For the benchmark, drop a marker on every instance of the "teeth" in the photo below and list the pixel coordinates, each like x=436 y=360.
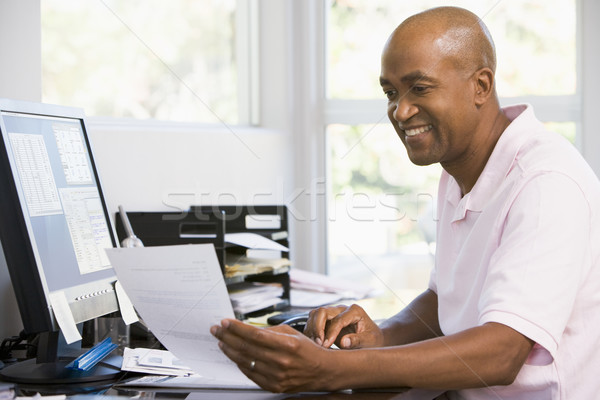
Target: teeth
x=416 y=131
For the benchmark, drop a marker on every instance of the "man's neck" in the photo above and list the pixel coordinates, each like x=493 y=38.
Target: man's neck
x=467 y=173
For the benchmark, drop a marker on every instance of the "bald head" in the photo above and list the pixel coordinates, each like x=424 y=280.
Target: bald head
x=455 y=33
x=437 y=72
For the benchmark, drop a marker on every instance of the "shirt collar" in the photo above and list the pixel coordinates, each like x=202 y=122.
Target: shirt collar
x=498 y=165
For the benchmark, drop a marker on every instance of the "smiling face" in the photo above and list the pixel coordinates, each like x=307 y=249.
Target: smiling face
x=432 y=86
x=428 y=105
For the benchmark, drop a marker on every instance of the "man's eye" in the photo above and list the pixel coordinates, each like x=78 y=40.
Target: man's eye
x=419 y=89
x=389 y=93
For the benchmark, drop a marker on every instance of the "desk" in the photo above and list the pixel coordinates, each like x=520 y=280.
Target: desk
x=112 y=390
x=108 y=391
x=381 y=307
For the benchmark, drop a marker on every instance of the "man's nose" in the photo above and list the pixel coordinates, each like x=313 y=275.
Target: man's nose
x=404 y=110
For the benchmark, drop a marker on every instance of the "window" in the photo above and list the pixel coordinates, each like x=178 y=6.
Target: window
x=174 y=60
x=380 y=213
x=380 y=221
x=535 y=44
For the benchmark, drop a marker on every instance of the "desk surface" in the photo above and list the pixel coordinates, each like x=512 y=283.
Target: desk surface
x=110 y=391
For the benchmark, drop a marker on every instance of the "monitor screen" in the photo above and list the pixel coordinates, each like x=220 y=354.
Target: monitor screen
x=54 y=224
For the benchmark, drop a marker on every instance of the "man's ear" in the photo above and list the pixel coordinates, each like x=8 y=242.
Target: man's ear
x=484 y=85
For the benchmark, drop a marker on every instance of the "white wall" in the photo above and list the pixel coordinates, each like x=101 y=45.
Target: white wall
x=20 y=78
x=20 y=47
x=590 y=81
x=169 y=170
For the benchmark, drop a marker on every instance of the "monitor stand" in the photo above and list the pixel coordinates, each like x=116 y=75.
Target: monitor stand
x=30 y=371
x=49 y=367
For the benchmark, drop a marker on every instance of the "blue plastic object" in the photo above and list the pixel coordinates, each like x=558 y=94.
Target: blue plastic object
x=90 y=358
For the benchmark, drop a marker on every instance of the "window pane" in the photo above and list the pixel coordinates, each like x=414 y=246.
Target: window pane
x=535 y=43
x=170 y=60
x=380 y=219
x=567 y=129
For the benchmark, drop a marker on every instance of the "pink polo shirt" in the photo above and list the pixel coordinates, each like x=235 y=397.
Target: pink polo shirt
x=523 y=249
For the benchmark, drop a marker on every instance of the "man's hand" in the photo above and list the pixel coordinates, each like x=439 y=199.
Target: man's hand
x=347 y=327
x=278 y=359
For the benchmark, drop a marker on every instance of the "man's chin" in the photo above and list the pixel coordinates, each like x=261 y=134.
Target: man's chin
x=421 y=161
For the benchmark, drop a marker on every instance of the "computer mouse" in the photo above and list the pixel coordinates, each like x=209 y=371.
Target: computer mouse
x=297 y=322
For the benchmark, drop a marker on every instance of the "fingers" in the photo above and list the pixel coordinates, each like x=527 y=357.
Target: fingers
x=347 y=327
x=349 y=341
x=326 y=325
x=237 y=332
x=252 y=349
x=253 y=341
x=256 y=364
x=318 y=323
x=341 y=325
x=269 y=357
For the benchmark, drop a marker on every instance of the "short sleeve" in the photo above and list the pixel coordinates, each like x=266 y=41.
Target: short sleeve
x=536 y=271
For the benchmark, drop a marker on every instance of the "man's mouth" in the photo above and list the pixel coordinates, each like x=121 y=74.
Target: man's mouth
x=417 y=131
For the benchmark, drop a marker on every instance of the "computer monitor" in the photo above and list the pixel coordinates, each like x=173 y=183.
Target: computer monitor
x=54 y=226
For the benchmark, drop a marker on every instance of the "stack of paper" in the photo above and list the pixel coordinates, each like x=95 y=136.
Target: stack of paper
x=236 y=265
x=305 y=280
x=311 y=299
x=247 y=297
x=254 y=241
x=261 y=255
x=152 y=361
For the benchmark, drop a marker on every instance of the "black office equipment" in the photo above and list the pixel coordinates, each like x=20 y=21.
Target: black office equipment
x=164 y=229
x=210 y=224
x=288 y=316
x=54 y=226
x=298 y=322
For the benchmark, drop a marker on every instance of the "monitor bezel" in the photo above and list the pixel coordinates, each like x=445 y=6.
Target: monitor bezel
x=27 y=276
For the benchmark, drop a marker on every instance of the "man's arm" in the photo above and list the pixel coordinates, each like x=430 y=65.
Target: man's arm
x=283 y=360
x=351 y=328
x=418 y=321
x=484 y=356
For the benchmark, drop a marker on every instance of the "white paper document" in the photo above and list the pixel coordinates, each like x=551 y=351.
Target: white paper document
x=309 y=298
x=253 y=241
x=64 y=316
x=127 y=311
x=153 y=361
x=180 y=293
x=307 y=280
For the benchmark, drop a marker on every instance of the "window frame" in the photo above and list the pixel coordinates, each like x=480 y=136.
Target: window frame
x=247 y=51
x=578 y=108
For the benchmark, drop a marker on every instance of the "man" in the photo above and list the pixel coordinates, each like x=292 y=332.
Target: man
x=513 y=306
